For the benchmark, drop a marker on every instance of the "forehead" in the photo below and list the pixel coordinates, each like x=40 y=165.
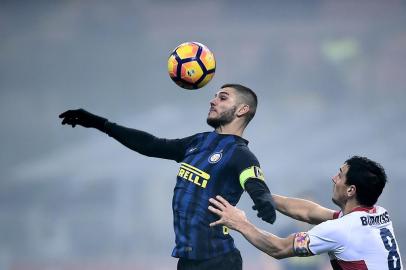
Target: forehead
x=344 y=168
x=227 y=91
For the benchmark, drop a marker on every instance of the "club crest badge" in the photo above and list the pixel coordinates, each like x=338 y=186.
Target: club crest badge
x=215 y=157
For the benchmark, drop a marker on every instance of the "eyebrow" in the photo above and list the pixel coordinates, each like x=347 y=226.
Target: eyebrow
x=221 y=93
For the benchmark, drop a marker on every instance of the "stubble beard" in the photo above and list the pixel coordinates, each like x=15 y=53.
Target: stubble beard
x=225 y=118
x=335 y=202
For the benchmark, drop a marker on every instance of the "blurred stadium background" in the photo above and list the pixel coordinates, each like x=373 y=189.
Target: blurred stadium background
x=331 y=81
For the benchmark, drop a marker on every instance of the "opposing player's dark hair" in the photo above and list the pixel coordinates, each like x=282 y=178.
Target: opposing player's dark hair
x=248 y=96
x=368 y=177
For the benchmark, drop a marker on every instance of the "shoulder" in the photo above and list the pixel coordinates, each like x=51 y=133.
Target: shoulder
x=243 y=158
x=335 y=228
x=242 y=150
x=380 y=209
x=247 y=165
x=195 y=137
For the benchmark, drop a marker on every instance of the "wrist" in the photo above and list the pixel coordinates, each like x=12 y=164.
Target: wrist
x=244 y=226
x=100 y=123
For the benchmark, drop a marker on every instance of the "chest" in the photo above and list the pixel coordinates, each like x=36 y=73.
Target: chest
x=204 y=164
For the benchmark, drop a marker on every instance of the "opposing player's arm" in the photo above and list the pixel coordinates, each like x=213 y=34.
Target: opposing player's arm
x=279 y=248
x=303 y=210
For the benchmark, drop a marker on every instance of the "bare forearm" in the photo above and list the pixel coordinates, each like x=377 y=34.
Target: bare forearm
x=272 y=245
x=303 y=210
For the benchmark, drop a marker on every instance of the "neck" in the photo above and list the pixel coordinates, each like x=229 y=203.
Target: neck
x=350 y=206
x=231 y=128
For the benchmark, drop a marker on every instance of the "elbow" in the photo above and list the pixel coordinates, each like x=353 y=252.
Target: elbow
x=281 y=249
x=278 y=252
x=278 y=255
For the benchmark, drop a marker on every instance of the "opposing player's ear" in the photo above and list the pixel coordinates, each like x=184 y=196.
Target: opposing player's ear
x=351 y=190
x=243 y=109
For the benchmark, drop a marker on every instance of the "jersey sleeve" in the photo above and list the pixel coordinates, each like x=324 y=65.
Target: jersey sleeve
x=147 y=144
x=328 y=236
x=248 y=167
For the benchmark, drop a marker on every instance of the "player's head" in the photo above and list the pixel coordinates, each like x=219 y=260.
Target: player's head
x=231 y=102
x=360 y=178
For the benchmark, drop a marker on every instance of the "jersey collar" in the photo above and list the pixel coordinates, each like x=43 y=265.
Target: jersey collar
x=370 y=210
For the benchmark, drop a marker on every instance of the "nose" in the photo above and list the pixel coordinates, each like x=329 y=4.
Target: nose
x=334 y=179
x=213 y=102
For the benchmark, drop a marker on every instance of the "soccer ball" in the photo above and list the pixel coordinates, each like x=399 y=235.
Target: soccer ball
x=191 y=65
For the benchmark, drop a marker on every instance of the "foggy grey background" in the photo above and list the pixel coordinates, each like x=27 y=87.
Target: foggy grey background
x=331 y=81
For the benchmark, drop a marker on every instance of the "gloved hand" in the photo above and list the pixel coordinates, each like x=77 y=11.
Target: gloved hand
x=266 y=211
x=83 y=118
x=260 y=194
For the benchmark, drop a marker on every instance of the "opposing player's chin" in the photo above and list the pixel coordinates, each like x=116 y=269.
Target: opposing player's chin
x=336 y=202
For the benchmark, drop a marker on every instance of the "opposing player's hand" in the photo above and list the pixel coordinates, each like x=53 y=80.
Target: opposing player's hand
x=266 y=211
x=82 y=118
x=230 y=216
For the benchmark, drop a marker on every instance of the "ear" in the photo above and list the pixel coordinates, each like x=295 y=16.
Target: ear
x=243 y=109
x=351 y=191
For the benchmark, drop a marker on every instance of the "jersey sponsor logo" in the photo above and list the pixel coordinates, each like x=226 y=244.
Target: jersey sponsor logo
x=301 y=243
x=193 y=174
x=192 y=149
x=215 y=157
x=375 y=220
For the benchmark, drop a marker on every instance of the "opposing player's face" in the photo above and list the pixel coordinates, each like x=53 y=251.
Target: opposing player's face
x=340 y=187
x=223 y=108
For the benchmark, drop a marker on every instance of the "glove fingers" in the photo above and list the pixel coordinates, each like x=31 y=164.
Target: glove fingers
x=270 y=219
x=64 y=114
x=69 y=121
x=69 y=113
x=66 y=121
x=266 y=212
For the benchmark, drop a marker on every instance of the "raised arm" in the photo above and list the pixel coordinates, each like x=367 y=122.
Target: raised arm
x=147 y=144
x=137 y=140
x=303 y=210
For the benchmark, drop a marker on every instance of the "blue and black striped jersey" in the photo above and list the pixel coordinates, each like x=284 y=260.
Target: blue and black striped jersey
x=213 y=164
x=210 y=164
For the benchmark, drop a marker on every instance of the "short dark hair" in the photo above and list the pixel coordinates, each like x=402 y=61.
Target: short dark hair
x=368 y=177
x=247 y=96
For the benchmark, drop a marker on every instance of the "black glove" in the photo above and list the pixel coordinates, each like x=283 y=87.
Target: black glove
x=264 y=204
x=266 y=212
x=83 y=118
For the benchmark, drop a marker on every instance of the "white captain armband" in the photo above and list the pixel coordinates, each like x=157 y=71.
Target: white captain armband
x=301 y=241
x=251 y=172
